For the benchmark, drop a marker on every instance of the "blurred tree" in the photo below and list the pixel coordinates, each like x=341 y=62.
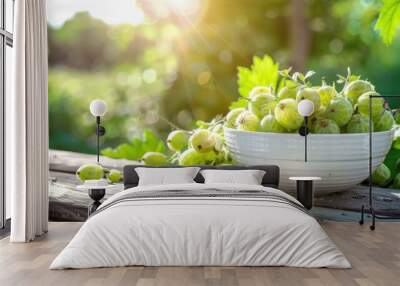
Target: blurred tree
x=130 y=70
x=299 y=34
x=81 y=43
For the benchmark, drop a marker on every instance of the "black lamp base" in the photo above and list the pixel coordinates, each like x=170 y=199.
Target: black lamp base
x=376 y=214
x=303 y=131
x=372 y=211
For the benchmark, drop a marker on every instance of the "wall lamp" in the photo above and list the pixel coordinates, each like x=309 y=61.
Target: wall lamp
x=98 y=108
x=305 y=108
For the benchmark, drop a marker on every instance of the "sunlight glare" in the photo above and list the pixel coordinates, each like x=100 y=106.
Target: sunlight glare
x=186 y=7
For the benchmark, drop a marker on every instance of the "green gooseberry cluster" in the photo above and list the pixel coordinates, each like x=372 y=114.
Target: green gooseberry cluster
x=274 y=110
x=202 y=146
x=97 y=172
x=335 y=112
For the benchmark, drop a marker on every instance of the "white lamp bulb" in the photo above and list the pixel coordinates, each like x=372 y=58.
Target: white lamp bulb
x=98 y=107
x=305 y=107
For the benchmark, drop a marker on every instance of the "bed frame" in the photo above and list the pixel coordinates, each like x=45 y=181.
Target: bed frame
x=271 y=177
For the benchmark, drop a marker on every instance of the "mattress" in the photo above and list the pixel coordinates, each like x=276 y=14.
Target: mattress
x=201 y=225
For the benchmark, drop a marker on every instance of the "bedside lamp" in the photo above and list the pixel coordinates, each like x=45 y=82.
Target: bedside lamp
x=305 y=108
x=98 y=108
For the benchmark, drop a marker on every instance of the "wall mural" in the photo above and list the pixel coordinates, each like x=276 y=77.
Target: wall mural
x=175 y=73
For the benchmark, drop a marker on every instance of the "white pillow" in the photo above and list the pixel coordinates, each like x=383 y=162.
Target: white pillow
x=248 y=177
x=166 y=176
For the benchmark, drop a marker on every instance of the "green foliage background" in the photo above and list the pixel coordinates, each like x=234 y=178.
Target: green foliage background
x=166 y=73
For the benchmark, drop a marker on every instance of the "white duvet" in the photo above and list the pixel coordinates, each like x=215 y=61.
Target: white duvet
x=200 y=231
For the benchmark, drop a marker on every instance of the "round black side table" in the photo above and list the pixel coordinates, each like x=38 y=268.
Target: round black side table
x=305 y=191
x=96 y=193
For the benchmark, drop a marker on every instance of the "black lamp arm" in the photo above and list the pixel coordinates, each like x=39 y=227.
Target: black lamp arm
x=303 y=131
x=100 y=131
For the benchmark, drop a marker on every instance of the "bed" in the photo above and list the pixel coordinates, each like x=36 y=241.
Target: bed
x=197 y=224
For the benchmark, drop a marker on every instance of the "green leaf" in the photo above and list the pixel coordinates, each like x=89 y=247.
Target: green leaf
x=396 y=143
x=299 y=75
x=202 y=124
x=285 y=72
x=263 y=72
x=388 y=20
x=241 y=102
x=291 y=83
x=309 y=74
x=152 y=143
x=354 y=77
x=134 y=150
x=111 y=153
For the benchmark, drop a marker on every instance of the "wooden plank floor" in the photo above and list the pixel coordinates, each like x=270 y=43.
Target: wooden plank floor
x=375 y=257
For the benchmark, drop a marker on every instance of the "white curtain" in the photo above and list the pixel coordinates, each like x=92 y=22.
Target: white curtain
x=27 y=124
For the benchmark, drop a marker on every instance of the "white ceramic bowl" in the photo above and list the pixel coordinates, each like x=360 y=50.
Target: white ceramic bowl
x=341 y=160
